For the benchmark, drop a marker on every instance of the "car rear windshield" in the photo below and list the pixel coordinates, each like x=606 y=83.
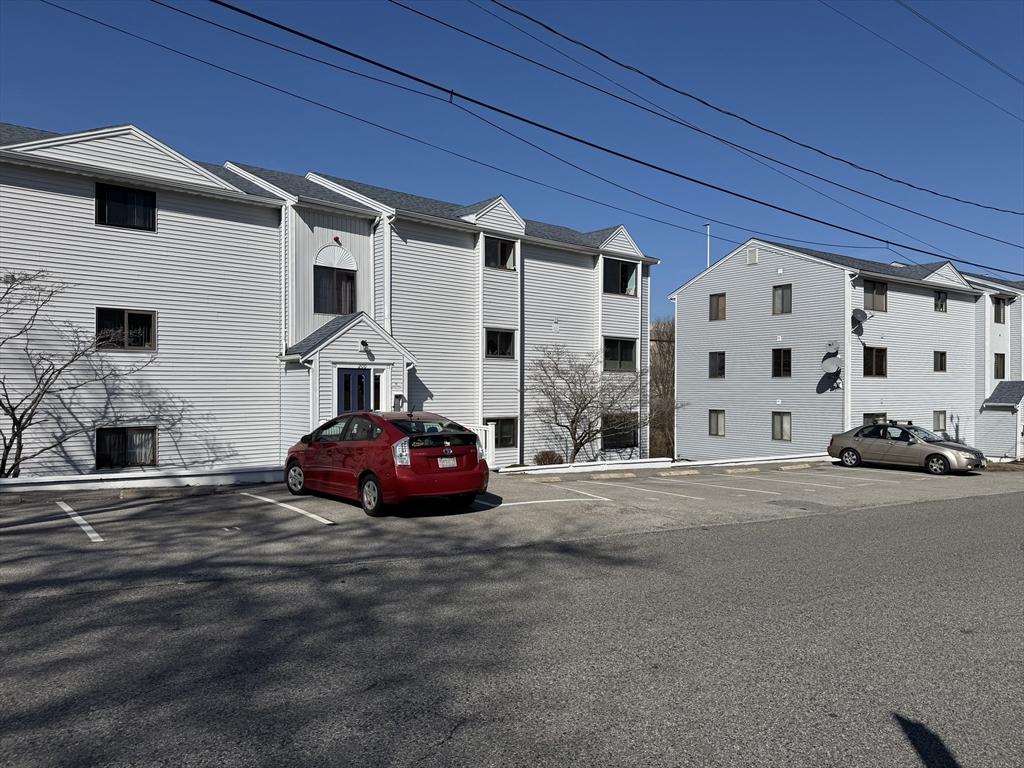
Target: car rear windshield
x=428 y=426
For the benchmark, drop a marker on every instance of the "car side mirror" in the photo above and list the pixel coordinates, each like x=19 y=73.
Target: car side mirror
x=307 y=439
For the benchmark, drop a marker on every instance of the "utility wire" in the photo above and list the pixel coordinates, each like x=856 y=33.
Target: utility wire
x=426 y=143
x=960 y=42
x=453 y=94
x=500 y=128
x=765 y=128
x=937 y=71
x=673 y=119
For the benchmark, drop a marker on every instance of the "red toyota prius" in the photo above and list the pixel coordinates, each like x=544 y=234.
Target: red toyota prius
x=386 y=458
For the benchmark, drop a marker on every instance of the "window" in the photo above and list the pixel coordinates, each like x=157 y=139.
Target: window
x=504 y=432
x=939 y=421
x=619 y=430
x=361 y=428
x=782 y=425
x=125 y=329
x=939 y=362
x=782 y=363
x=876 y=295
x=118 y=447
x=334 y=291
x=875 y=361
x=874 y=418
x=716 y=423
x=124 y=207
x=716 y=365
x=940 y=301
x=500 y=343
x=717 y=309
x=620 y=277
x=999 y=309
x=620 y=354
x=499 y=254
x=332 y=431
x=999 y=367
x=782 y=299
x=874 y=432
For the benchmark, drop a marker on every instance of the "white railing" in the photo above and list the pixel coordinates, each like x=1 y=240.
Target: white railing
x=486 y=434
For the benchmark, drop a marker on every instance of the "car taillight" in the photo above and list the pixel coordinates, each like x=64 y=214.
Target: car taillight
x=400 y=451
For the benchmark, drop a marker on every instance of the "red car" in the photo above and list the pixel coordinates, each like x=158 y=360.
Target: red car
x=386 y=458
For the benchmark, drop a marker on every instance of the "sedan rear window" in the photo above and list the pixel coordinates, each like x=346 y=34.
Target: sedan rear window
x=427 y=426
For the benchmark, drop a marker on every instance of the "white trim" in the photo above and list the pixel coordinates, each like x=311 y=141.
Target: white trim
x=343 y=190
x=120 y=130
x=848 y=374
x=499 y=200
x=164 y=478
x=622 y=229
x=259 y=181
x=389 y=222
x=386 y=337
x=480 y=330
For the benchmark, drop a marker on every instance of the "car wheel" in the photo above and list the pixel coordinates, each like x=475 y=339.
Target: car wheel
x=850 y=458
x=371 y=496
x=464 y=500
x=295 y=479
x=937 y=465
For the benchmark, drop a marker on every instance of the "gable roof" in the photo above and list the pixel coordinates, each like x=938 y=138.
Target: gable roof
x=334 y=328
x=303 y=188
x=19 y=134
x=1006 y=393
x=239 y=182
x=1017 y=285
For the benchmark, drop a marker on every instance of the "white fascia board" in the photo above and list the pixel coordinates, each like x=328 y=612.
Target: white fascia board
x=622 y=229
x=951 y=265
x=119 y=130
x=500 y=200
x=343 y=190
x=259 y=181
x=386 y=337
x=226 y=192
x=993 y=284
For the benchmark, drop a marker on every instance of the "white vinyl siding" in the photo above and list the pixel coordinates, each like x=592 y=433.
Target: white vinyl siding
x=749 y=394
x=211 y=273
x=378 y=271
x=501 y=219
x=645 y=358
x=295 y=392
x=620 y=243
x=620 y=315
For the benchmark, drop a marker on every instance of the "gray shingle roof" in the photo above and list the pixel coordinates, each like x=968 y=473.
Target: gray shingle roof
x=1006 y=393
x=1017 y=285
x=910 y=271
x=320 y=335
x=235 y=180
x=19 y=134
x=300 y=186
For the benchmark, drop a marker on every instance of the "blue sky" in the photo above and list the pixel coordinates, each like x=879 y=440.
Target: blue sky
x=797 y=67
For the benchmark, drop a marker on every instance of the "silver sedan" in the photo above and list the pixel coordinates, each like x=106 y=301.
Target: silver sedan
x=904 y=445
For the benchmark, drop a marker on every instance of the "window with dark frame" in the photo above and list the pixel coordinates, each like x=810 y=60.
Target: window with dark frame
x=941 y=300
x=876 y=296
x=999 y=366
x=782 y=299
x=998 y=309
x=125 y=329
x=499 y=254
x=504 y=432
x=782 y=426
x=619 y=354
x=125 y=207
x=501 y=344
x=939 y=421
x=782 y=363
x=334 y=291
x=620 y=277
x=120 y=447
x=716 y=423
x=939 y=361
x=876 y=361
x=620 y=430
x=716 y=308
x=716 y=365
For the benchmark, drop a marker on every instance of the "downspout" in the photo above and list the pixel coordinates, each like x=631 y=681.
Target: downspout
x=848 y=351
x=388 y=230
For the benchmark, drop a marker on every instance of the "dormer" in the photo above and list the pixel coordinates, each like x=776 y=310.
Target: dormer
x=494 y=214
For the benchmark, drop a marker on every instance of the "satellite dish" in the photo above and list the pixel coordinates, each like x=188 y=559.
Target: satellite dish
x=831 y=365
x=832 y=347
x=859 y=316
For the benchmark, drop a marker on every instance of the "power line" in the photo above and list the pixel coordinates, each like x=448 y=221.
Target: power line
x=500 y=128
x=453 y=94
x=937 y=71
x=665 y=115
x=765 y=128
x=420 y=141
x=960 y=42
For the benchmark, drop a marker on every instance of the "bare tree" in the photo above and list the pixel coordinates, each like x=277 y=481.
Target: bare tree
x=663 y=386
x=571 y=392
x=46 y=364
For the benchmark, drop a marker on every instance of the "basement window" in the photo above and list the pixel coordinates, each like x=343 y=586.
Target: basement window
x=619 y=430
x=119 y=447
x=504 y=432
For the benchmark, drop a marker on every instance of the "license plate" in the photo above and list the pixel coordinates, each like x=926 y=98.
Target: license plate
x=447 y=462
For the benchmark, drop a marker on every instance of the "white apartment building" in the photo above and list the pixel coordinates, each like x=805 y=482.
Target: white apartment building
x=269 y=302
x=779 y=346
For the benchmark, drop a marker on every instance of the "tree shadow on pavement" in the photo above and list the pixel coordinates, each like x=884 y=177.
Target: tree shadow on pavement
x=929 y=747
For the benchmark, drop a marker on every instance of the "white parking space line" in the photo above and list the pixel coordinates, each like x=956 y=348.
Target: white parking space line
x=840 y=476
x=83 y=524
x=591 y=495
x=535 y=501
x=786 y=482
x=744 y=489
x=645 y=490
x=310 y=515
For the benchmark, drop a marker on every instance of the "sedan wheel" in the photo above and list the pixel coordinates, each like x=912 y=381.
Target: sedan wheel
x=850 y=458
x=295 y=479
x=937 y=465
x=371 y=497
